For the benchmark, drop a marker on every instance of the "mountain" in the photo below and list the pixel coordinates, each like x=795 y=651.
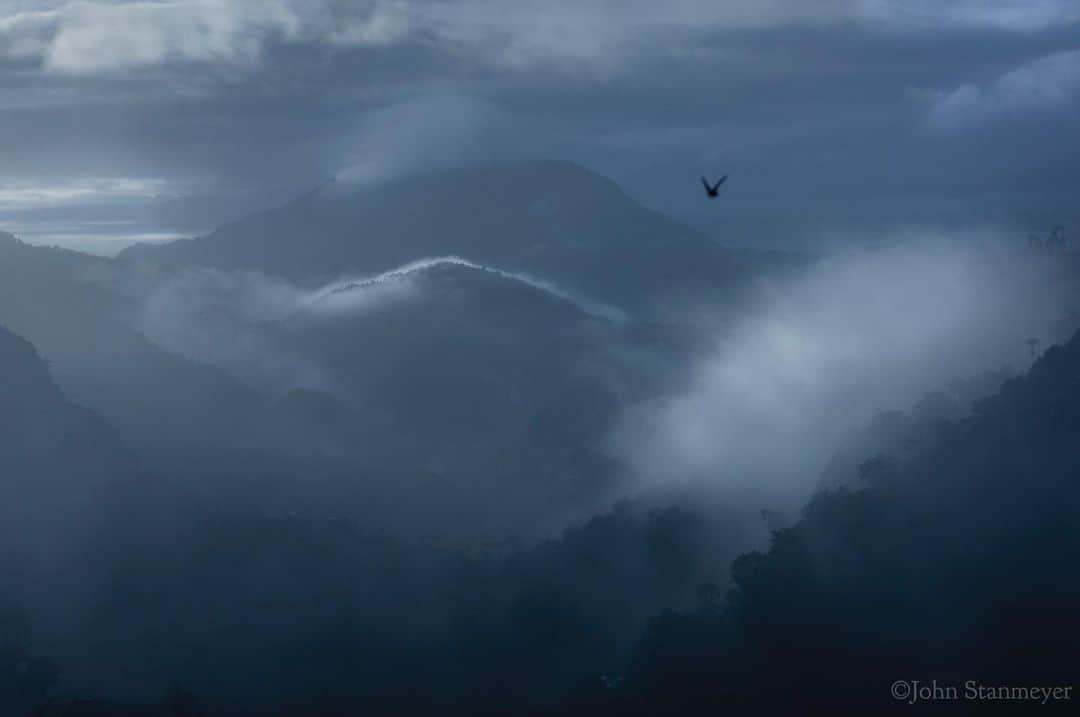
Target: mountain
x=64 y=477
x=408 y=346
x=403 y=396
x=468 y=380
x=49 y=296
x=553 y=220
x=53 y=453
x=950 y=561
x=83 y=316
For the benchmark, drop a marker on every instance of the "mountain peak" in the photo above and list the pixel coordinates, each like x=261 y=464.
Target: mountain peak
x=551 y=219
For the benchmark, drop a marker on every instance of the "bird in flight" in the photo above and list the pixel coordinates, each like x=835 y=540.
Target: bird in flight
x=713 y=190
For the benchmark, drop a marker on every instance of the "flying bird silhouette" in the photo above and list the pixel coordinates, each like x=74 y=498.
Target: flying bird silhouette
x=713 y=190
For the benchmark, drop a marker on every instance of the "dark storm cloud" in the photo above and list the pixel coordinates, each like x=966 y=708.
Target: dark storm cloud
x=833 y=116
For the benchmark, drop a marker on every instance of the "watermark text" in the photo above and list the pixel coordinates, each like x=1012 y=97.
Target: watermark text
x=916 y=691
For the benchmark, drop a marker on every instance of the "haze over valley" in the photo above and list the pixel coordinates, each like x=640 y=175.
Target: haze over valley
x=391 y=358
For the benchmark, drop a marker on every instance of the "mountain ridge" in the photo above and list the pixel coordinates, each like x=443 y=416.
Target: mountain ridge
x=550 y=219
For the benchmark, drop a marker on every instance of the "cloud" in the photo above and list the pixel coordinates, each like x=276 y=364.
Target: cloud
x=100 y=37
x=37 y=195
x=222 y=318
x=341 y=294
x=26 y=35
x=93 y=37
x=816 y=357
x=89 y=38
x=232 y=319
x=1006 y=15
x=248 y=103
x=1044 y=86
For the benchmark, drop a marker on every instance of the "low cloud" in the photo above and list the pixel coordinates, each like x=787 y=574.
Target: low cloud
x=812 y=359
x=227 y=319
x=242 y=321
x=17 y=195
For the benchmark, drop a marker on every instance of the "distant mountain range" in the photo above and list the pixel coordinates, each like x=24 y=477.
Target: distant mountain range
x=553 y=220
x=410 y=345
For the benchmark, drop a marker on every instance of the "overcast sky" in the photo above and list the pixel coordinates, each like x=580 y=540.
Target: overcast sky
x=128 y=119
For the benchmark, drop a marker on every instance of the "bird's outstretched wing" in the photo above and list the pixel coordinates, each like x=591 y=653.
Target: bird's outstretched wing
x=720 y=183
x=705 y=183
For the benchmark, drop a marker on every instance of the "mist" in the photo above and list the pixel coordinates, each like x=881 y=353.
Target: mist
x=219 y=318
x=226 y=319
x=400 y=139
x=519 y=456
x=388 y=357
x=811 y=358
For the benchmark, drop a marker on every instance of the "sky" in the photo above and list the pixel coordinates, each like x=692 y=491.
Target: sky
x=839 y=120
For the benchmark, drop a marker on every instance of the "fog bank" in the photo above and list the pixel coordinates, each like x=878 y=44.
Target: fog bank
x=811 y=358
